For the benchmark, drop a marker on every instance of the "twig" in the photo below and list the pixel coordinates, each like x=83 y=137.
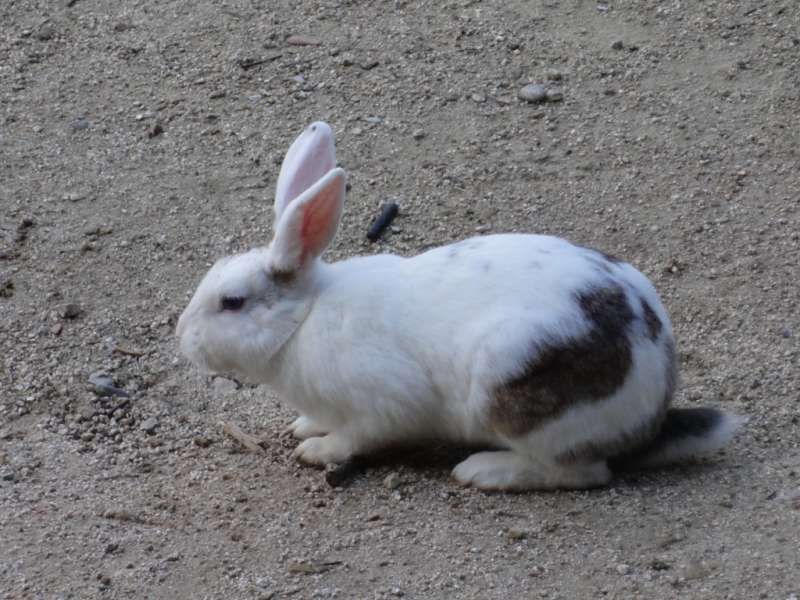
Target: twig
x=245 y=439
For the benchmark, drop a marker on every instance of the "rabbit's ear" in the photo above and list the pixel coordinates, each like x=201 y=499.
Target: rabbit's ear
x=308 y=224
x=309 y=157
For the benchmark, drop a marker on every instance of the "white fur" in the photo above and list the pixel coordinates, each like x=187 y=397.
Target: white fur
x=382 y=349
x=309 y=157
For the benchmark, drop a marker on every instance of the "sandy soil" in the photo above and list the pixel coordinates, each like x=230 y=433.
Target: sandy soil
x=141 y=140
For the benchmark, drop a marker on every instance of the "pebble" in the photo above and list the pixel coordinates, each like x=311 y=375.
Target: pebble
x=392 y=481
x=368 y=65
x=202 y=442
x=555 y=95
x=45 y=32
x=80 y=124
x=553 y=75
x=533 y=92
x=7 y=475
x=617 y=45
x=71 y=311
x=418 y=134
x=149 y=425
x=155 y=130
x=517 y=534
x=223 y=386
x=103 y=385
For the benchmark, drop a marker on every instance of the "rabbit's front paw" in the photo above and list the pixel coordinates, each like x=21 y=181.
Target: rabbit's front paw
x=331 y=448
x=303 y=428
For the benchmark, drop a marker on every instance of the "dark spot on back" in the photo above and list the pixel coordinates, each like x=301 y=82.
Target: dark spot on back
x=570 y=372
x=630 y=444
x=654 y=325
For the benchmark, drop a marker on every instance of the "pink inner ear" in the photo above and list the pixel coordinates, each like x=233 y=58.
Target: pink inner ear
x=317 y=219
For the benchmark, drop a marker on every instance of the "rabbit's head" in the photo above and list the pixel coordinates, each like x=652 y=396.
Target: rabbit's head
x=248 y=305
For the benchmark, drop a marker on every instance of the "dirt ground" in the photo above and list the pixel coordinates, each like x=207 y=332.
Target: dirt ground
x=141 y=140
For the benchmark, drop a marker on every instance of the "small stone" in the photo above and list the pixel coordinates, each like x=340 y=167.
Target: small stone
x=553 y=75
x=149 y=425
x=103 y=385
x=418 y=134
x=479 y=98
x=623 y=569
x=392 y=481
x=71 y=311
x=554 y=95
x=659 y=565
x=617 y=45
x=45 y=32
x=7 y=475
x=368 y=65
x=6 y=289
x=517 y=534
x=80 y=124
x=223 y=386
x=155 y=130
x=73 y=197
x=533 y=92
x=87 y=436
x=202 y=442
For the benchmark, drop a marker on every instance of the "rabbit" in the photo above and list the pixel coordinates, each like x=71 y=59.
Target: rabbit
x=559 y=357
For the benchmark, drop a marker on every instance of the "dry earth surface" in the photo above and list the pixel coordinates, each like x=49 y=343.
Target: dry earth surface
x=140 y=140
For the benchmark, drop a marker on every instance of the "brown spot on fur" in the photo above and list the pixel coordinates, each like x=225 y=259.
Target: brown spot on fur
x=654 y=325
x=630 y=443
x=569 y=372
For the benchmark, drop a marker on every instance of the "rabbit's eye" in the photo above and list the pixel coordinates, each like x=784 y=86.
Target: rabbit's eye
x=232 y=302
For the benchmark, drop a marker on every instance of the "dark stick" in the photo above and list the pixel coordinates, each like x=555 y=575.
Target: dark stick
x=385 y=218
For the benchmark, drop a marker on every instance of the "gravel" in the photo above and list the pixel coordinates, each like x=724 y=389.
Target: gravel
x=672 y=144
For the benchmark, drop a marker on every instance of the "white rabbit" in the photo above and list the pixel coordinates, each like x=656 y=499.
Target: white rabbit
x=557 y=355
